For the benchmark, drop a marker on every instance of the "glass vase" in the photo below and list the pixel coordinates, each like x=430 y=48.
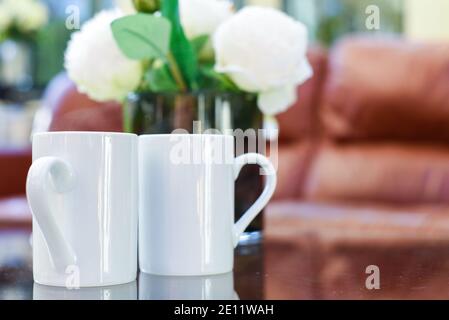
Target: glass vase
x=151 y=113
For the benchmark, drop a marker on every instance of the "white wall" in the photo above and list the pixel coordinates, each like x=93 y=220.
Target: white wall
x=427 y=19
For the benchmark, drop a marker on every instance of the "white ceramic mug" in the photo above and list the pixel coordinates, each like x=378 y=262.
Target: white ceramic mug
x=186 y=206
x=82 y=190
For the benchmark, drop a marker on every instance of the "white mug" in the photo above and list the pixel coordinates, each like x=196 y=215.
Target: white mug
x=82 y=190
x=212 y=287
x=186 y=206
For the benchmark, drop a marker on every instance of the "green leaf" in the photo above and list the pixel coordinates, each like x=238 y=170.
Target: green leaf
x=198 y=43
x=142 y=36
x=180 y=46
x=159 y=79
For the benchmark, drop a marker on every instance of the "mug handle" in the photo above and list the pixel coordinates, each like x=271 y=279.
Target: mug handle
x=46 y=177
x=261 y=202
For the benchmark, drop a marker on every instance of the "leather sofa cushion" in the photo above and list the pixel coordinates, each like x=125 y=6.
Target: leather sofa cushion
x=293 y=163
x=390 y=173
x=380 y=88
x=301 y=120
x=357 y=224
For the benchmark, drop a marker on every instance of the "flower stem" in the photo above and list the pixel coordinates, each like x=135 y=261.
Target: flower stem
x=174 y=68
x=127 y=126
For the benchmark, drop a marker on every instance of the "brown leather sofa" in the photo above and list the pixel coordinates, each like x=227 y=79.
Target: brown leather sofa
x=379 y=126
x=376 y=139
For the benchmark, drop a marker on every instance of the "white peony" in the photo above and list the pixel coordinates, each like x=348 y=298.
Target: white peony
x=264 y=51
x=202 y=17
x=96 y=64
x=28 y=15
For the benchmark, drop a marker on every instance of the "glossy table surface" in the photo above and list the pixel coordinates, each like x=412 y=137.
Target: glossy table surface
x=303 y=256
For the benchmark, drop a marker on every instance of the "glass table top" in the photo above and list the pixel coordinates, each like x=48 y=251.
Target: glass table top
x=303 y=268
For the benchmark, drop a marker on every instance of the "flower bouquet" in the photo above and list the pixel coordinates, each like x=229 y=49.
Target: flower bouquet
x=186 y=47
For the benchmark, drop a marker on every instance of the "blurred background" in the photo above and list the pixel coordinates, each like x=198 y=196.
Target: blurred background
x=363 y=154
x=29 y=61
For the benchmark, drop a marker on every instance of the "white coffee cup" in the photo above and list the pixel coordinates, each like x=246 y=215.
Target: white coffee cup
x=82 y=190
x=186 y=206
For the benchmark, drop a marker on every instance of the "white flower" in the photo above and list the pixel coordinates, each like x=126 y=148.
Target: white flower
x=264 y=51
x=202 y=17
x=96 y=64
x=28 y=15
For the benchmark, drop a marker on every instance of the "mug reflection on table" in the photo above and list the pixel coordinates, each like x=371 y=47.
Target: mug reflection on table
x=119 y=292
x=214 y=287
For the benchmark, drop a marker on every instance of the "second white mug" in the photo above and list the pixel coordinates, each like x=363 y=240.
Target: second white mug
x=186 y=206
